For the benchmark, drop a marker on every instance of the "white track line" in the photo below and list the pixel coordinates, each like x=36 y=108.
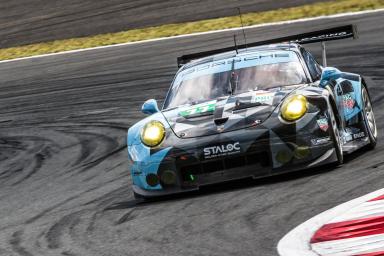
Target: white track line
x=201 y=33
x=297 y=241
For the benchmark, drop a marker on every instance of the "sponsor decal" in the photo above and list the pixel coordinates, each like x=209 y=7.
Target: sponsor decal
x=323 y=124
x=353 y=134
x=323 y=37
x=263 y=97
x=320 y=141
x=222 y=150
x=358 y=135
x=348 y=101
x=199 y=109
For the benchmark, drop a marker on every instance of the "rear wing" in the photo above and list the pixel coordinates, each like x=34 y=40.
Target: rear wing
x=335 y=33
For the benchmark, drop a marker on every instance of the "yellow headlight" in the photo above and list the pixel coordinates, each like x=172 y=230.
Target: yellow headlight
x=153 y=133
x=294 y=107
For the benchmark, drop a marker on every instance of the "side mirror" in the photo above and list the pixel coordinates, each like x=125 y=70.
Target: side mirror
x=150 y=107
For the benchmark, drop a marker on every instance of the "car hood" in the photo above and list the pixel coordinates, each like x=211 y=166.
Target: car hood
x=225 y=114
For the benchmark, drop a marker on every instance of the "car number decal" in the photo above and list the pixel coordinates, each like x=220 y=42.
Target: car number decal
x=199 y=109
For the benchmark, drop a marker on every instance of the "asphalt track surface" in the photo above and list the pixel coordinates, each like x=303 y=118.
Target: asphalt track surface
x=64 y=183
x=31 y=21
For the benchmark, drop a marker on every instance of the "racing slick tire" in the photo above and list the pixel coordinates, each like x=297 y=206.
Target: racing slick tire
x=369 y=117
x=335 y=135
x=139 y=198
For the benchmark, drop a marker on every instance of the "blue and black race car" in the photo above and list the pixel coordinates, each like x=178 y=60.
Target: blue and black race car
x=253 y=110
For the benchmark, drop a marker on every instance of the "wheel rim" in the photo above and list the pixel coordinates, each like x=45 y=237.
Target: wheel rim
x=370 y=117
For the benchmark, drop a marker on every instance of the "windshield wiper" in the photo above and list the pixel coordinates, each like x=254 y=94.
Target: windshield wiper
x=229 y=80
x=243 y=105
x=193 y=103
x=232 y=79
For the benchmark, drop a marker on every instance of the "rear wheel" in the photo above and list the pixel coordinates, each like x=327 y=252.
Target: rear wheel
x=335 y=136
x=369 y=118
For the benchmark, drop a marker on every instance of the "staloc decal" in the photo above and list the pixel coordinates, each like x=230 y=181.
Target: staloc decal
x=222 y=150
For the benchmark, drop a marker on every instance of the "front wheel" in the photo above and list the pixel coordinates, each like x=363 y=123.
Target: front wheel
x=335 y=136
x=369 y=118
x=139 y=198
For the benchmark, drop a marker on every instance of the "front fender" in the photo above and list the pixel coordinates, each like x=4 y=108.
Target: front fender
x=144 y=160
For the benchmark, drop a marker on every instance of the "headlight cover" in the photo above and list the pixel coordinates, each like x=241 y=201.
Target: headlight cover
x=294 y=107
x=152 y=134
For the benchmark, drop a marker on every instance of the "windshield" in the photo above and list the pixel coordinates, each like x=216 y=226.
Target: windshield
x=260 y=71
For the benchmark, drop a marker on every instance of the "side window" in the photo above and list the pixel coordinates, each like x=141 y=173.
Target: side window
x=313 y=66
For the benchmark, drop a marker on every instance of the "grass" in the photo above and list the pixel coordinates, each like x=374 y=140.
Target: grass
x=305 y=11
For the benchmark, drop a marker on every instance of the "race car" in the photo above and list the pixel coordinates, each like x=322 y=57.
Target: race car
x=250 y=111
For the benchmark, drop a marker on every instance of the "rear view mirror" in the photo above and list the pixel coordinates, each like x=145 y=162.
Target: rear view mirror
x=150 y=107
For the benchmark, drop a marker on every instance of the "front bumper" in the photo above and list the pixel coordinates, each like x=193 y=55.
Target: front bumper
x=268 y=155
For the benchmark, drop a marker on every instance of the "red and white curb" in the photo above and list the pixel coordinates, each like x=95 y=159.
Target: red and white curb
x=355 y=228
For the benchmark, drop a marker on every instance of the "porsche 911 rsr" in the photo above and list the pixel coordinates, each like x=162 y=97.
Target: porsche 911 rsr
x=249 y=112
